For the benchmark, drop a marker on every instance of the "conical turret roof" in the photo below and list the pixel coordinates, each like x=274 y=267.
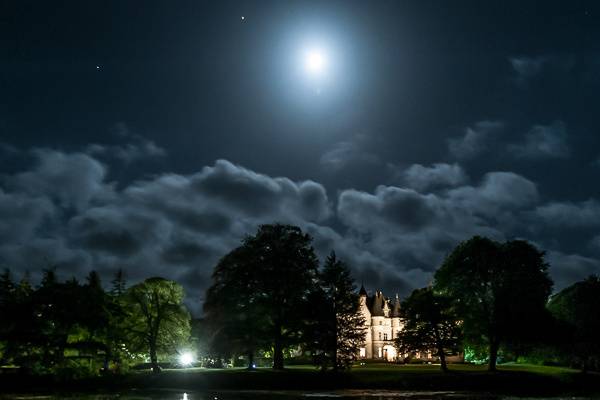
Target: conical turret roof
x=396 y=307
x=363 y=291
x=378 y=303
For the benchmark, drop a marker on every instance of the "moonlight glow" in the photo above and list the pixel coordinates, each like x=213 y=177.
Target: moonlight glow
x=315 y=62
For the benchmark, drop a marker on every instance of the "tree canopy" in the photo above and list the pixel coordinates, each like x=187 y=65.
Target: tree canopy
x=496 y=288
x=270 y=277
x=578 y=305
x=157 y=320
x=430 y=324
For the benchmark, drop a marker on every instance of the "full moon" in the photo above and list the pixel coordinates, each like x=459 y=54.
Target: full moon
x=315 y=62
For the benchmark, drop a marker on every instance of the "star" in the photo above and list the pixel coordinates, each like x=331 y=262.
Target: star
x=243 y=18
x=97 y=68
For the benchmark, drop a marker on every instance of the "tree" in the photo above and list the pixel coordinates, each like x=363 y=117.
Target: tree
x=429 y=324
x=286 y=266
x=264 y=286
x=7 y=292
x=236 y=319
x=496 y=288
x=577 y=305
x=119 y=284
x=157 y=321
x=339 y=330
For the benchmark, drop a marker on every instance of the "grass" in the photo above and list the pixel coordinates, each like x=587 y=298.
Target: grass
x=511 y=379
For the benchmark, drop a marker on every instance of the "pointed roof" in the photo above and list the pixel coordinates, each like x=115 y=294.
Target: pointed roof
x=378 y=304
x=363 y=291
x=396 y=307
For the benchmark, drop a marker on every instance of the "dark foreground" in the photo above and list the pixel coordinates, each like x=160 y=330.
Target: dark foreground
x=463 y=381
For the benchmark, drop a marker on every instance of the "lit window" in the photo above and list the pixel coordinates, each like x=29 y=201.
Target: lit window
x=363 y=352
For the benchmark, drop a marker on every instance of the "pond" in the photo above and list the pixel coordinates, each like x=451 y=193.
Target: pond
x=277 y=395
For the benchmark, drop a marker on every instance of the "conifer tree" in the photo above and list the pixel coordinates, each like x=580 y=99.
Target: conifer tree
x=119 y=283
x=341 y=330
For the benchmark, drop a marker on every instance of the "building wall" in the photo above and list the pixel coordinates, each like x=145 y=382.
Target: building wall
x=380 y=333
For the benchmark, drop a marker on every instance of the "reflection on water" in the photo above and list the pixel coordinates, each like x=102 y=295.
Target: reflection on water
x=283 y=395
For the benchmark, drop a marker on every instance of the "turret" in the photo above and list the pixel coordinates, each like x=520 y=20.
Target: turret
x=396 y=307
x=363 y=291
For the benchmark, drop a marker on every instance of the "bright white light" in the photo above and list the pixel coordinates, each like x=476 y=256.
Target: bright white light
x=186 y=359
x=315 y=62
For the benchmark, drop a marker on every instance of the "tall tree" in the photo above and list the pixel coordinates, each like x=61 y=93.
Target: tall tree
x=286 y=264
x=119 y=283
x=341 y=327
x=7 y=293
x=236 y=319
x=157 y=320
x=496 y=289
x=578 y=306
x=264 y=285
x=429 y=324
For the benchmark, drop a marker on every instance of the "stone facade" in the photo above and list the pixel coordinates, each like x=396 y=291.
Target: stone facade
x=382 y=319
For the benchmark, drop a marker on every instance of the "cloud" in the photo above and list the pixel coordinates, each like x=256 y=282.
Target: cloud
x=543 y=141
x=475 y=140
x=73 y=179
x=136 y=147
x=351 y=152
x=420 y=177
x=569 y=268
x=498 y=191
x=417 y=229
x=527 y=67
x=530 y=68
x=61 y=211
x=584 y=214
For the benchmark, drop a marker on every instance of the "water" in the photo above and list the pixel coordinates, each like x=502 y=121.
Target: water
x=275 y=395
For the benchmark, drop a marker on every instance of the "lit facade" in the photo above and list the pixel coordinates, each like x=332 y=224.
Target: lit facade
x=382 y=320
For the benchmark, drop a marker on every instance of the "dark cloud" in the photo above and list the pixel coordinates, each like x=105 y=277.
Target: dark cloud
x=421 y=178
x=568 y=268
x=475 y=140
x=531 y=68
x=527 y=67
x=356 y=151
x=131 y=147
x=178 y=226
x=543 y=141
x=569 y=214
x=73 y=179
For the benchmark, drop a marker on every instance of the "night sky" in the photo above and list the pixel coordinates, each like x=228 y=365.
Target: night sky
x=152 y=136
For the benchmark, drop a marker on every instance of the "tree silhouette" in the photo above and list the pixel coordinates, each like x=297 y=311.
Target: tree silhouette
x=265 y=285
x=429 y=324
x=234 y=316
x=578 y=306
x=496 y=288
x=339 y=328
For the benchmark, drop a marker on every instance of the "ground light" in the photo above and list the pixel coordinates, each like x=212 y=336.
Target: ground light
x=186 y=359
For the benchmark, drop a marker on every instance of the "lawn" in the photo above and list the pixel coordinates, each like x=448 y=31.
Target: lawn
x=518 y=379
x=511 y=379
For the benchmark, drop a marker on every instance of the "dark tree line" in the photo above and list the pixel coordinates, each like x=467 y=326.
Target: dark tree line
x=78 y=328
x=271 y=297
